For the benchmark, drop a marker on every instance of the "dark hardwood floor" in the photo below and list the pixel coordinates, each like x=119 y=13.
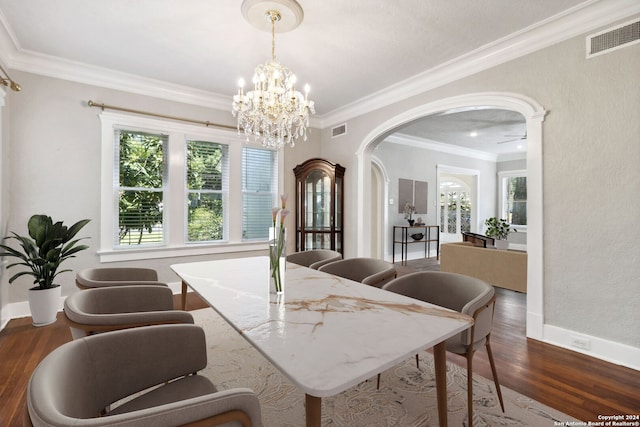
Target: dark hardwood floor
x=577 y=385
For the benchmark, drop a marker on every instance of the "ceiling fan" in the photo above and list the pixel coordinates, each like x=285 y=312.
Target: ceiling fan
x=519 y=138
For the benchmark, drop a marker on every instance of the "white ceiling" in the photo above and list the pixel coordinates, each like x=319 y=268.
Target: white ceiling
x=347 y=50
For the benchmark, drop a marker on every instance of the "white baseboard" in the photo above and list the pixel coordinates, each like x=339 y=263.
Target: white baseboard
x=610 y=351
x=535 y=326
x=411 y=256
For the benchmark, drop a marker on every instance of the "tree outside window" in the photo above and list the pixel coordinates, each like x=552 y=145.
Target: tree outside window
x=205 y=184
x=141 y=172
x=513 y=193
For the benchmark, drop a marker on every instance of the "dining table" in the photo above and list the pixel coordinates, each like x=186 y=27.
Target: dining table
x=324 y=333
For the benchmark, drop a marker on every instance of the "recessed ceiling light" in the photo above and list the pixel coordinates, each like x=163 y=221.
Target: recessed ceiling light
x=473 y=134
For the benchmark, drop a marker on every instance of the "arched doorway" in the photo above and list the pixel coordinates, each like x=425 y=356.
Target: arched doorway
x=379 y=194
x=534 y=115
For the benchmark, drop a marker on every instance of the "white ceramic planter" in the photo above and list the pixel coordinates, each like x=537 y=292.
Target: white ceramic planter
x=503 y=245
x=43 y=304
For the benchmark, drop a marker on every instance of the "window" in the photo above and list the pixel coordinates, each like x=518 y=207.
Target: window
x=206 y=181
x=513 y=197
x=171 y=189
x=259 y=190
x=141 y=173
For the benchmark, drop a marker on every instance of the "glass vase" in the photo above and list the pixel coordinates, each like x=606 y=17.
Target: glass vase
x=277 y=259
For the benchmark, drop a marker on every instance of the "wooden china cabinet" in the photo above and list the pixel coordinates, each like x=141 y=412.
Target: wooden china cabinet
x=319 y=205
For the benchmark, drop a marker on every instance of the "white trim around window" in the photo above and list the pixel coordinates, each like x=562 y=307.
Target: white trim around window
x=502 y=194
x=175 y=244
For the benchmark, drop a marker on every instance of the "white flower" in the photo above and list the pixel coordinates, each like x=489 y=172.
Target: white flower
x=409 y=210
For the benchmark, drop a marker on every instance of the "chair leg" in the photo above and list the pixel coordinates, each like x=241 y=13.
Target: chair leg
x=417 y=362
x=378 y=383
x=495 y=373
x=469 y=357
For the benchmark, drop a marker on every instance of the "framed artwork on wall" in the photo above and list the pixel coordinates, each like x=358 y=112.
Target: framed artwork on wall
x=413 y=192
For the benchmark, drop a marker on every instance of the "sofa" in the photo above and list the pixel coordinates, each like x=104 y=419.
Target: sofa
x=504 y=269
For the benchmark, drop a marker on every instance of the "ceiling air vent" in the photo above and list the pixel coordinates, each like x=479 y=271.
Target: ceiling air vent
x=614 y=38
x=339 y=130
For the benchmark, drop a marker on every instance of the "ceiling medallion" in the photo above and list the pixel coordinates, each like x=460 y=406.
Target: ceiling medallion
x=274 y=113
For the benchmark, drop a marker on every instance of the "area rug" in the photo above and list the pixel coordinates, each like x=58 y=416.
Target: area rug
x=407 y=395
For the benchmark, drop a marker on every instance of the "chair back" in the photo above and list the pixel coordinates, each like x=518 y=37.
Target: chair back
x=114 y=276
x=119 y=299
x=80 y=378
x=314 y=258
x=465 y=294
x=111 y=308
x=370 y=271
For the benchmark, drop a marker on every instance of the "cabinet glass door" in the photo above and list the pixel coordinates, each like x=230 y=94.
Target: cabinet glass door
x=319 y=205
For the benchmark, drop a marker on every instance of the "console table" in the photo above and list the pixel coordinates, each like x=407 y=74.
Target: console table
x=429 y=231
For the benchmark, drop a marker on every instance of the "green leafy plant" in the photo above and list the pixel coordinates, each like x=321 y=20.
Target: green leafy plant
x=47 y=247
x=498 y=228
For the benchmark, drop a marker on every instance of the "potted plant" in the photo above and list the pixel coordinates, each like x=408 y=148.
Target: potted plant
x=499 y=229
x=409 y=210
x=47 y=246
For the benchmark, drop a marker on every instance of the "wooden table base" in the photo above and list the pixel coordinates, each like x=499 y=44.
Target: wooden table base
x=314 y=404
x=184 y=295
x=314 y=410
x=440 y=363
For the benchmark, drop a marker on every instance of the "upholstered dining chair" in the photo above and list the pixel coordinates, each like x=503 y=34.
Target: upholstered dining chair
x=314 y=258
x=467 y=295
x=85 y=382
x=370 y=271
x=120 y=307
x=116 y=276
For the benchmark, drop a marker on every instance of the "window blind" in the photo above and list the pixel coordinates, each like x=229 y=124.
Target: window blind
x=259 y=191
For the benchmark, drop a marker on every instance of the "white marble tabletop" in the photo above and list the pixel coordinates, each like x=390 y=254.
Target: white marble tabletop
x=325 y=333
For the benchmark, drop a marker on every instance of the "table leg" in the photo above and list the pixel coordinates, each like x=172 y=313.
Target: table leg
x=184 y=295
x=314 y=410
x=440 y=361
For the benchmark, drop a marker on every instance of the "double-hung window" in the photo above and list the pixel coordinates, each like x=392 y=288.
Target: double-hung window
x=172 y=189
x=259 y=190
x=513 y=197
x=139 y=185
x=207 y=177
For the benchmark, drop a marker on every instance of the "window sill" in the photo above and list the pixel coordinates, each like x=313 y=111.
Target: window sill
x=178 y=251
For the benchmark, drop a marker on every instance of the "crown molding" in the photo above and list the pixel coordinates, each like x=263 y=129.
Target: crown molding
x=50 y=66
x=427 y=144
x=571 y=23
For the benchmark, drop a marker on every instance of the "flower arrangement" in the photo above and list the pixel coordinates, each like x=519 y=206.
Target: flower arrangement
x=277 y=241
x=409 y=210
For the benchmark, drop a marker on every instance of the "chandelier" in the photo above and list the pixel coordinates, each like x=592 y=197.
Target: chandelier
x=274 y=113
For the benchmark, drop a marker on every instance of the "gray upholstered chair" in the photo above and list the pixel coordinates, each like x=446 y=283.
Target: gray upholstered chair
x=314 y=258
x=114 y=276
x=120 y=307
x=464 y=294
x=370 y=271
x=83 y=383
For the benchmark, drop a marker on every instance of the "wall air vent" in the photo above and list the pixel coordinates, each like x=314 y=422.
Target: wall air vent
x=339 y=130
x=613 y=38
